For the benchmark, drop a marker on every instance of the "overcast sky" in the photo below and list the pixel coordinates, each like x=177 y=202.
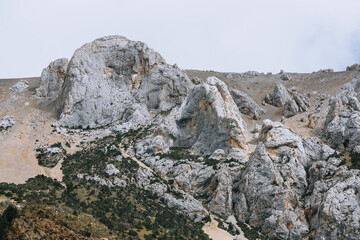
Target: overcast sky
x=221 y=35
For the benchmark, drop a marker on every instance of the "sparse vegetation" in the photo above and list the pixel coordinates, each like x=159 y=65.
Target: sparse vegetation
x=47 y=158
x=251 y=233
x=123 y=212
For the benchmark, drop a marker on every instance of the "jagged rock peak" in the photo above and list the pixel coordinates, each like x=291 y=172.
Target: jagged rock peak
x=116 y=79
x=52 y=79
x=210 y=119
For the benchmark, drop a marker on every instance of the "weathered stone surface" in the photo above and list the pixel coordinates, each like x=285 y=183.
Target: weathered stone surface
x=238 y=155
x=285 y=77
x=220 y=189
x=115 y=79
x=246 y=104
x=279 y=96
x=210 y=119
x=6 y=122
x=151 y=146
x=111 y=169
x=19 y=86
x=292 y=101
x=218 y=154
x=52 y=79
x=354 y=67
x=316 y=150
x=342 y=124
x=199 y=180
x=187 y=205
x=268 y=192
x=333 y=208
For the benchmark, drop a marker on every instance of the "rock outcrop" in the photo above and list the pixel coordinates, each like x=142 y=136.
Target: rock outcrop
x=19 y=86
x=333 y=207
x=342 y=124
x=200 y=180
x=246 y=104
x=291 y=101
x=52 y=79
x=268 y=192
x=185 y=141
x=210 y=119
x=6 y=122
x=115 y=79
x=354 y=67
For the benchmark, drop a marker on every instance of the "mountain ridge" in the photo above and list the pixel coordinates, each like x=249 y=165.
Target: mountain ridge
x=273 y=150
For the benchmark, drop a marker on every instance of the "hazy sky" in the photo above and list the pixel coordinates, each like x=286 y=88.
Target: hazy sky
x=221 y=35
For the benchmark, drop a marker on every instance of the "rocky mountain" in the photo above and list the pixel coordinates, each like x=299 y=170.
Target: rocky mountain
x=145 y=150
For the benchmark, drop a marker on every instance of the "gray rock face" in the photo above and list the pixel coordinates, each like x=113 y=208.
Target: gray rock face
x=342 y=124
x=246 y=104
x=188 y=206
x=151 y=146
x=220 y=189
x=354 y=67
x=218 y=154
x=199 y=180
x=333 y=207
x=316 y=150
x=19 y=86
x=285 y=77
x=115 y=79
x=292 y=101
x=111 y=169
x=6 y=122
x=210 y=119
x=279 y=96
x=268 y=192
x=52 y=79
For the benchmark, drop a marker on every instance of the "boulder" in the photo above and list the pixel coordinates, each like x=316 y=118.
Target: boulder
x=285 y=77
x=115 y=79
x=291 y=101
x=52 y=79
x=6 y=122
x=111 y=169
x=246 y=104
x=210 y=120
x=187 y=205
x=19 y=86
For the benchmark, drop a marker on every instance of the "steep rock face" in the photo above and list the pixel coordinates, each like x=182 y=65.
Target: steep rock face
x=292 y=101
x=210 y=119
x=52 y=79
x=333 y=208
x=267 y=194
x=214 y=187
x=220 y=189
x=246 y=104
x=342 y=125
x=114 y=79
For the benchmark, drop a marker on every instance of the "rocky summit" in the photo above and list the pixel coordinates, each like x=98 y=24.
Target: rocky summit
x=115 y=143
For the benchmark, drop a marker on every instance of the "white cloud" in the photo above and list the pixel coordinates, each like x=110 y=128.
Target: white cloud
x=228 y=35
